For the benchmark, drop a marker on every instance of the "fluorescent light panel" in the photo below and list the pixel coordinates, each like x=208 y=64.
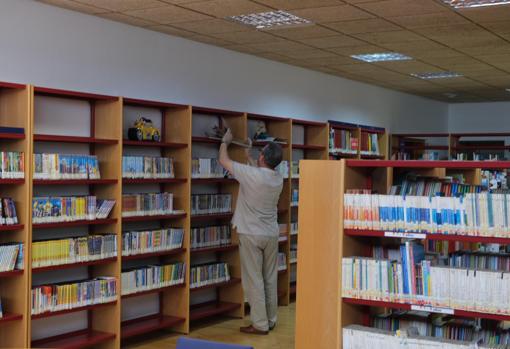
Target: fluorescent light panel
x=269 y=20
x=475 y=3
x=437 y=75
x=381 y=57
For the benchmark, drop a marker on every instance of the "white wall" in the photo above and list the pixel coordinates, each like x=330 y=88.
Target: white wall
x=53 y=47
x=479 y=117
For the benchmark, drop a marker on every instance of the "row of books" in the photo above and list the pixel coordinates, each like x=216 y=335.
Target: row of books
x=148 y=241
x=282 y=261
x=342 y=141
x=426 y=155
x=480 y=260
x=283 y=169
x=147 y=204
x=70 y=295
x=211 y=236
x=11 y=256
x=293 y=228
x=13 y=164
x=8 y=215
x=147 y=167
x=211 y=203
x=494 y=179
x=73 y=250
x=207 y=168
x=65 y=166
x=69 y=208
x=422 y=186
x=209 y=274
x=482 y=214
x=152 y=277
x=369 y=144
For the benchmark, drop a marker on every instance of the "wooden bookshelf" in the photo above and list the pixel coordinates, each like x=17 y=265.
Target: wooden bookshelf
x=321 y=311
x=355 y=138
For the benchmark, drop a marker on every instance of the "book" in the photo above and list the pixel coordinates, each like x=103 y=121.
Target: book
x=207 y=168
x=148 y=241
x=147 y=204
x=294 y=197
x=51 y=166
x=152 y=277
x=69 y=209
x=202 y=204
x=342 y=142
x=147 y=167
x=8 y=215
x=369 y=144
x=11 y=256
x=13 y=165
x=211 y=236
x=208 y=274
x=14 y=130
x=282 y=261
x=293 y=228
x=294 y=169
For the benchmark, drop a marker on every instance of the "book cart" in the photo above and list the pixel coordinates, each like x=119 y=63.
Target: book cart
x=322 y=312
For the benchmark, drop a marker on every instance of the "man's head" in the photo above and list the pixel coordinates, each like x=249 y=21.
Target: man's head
x=270 y=156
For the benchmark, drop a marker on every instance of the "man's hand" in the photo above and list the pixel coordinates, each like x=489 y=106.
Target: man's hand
x=227 y=137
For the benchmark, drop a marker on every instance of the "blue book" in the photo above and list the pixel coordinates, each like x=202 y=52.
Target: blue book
x=16 y=130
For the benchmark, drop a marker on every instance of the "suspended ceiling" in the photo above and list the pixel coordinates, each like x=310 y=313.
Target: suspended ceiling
x=474 y=42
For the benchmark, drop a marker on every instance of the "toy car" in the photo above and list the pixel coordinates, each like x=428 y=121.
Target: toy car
x=144 y=130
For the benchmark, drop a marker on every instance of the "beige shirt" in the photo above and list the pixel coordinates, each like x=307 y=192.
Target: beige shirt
x=256 y=210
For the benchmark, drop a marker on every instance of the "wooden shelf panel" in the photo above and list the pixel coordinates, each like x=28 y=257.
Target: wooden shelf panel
x=211 y=216
x=151 y=104
x=147 y=324
x=209 y=309
x=12 y=181
x=215 y=249
x=198 y=139
x=11 y=136
x=74 y=265
x=212 y=180
x=481 y=147
x=129 y=142
x=11 y=227
x=154 y=290
x=430 y=164
x=72 y=94
x=154 y=254
x=74 y=181
x=308 y=123
x=153 y=218
x=74 y=340
x=4 y=274
x=72 y=139
x=232 y=281
x=308 y=147
x=10 y=317
x=481 y=134
x=75 y=223
x=74 y=310
x=153 y=180
x=261 y=117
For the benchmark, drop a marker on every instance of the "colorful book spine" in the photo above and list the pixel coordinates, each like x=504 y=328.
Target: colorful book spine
x=147 y=204
x=70 y=295
x=152 y=277
x=8 y=215
x=147 y=167
x=69 y=208
x=65 y=166
x=211 y=203
x=149 y=241
x=282 y=261
x=73 y=250
x=294 y=198
x=369 y=144
x=293 y=228
x=212 y=236
x=11 y=256
x=13 y=165
x=207 y=168
x=342 y=142
x=208 y=274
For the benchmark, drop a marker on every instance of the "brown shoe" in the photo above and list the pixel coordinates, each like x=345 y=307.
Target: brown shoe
x=252 y=330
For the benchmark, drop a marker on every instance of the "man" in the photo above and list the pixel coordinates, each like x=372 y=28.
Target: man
x=256 y=220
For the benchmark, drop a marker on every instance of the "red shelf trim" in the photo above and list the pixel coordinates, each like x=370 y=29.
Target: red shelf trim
x=146 y=103
x=405 y=306
x=135 y=327
x=212 y=216
x=11 y=85
x=72 y=94
x=154 y=144
x=421 y=135
x=292 y=288
x=11 y=273
x=421 y=147
x=481 y=134
x=5 y=136
x=10 y=227
x=154 y=254
x=155 y=290
x=308 y=147
x=263 y=144
x=10 y=317
x=215 y=249
x=219 y=112
x=75 y=223
x=430 y=164
x=212 y=180
x=153 y=180
x=267 y=118
x=74 y=265
x=72 y=139
x=308 y=123
x=73 y=181
x=153 y=218
x=232 y=281
x=74 y=340
x=208 y=309
x=74 y=310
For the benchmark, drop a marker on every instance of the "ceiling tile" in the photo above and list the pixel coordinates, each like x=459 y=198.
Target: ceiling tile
x=332 y=41
x=494 y=46
x=75 y=6
x=400 y=36
x=303 y=32
x=432 y=56
x=501 y=27
x=430 y=20
x=411 y=47
x=210 y=40
x=226 y=8
x=167 y=15
x=399 y=8
x=279 y=46
x=502 y=80
x=332 y=13
x=171 y=30
x=460 y=35
x=307 y=54
x=212 y=26
x=408 y=67
x=123 y=5
x=356 y=50
x=487 y=14
x=119 y=17
x=332 y=61
x=246 y=37
x=298 y=4
x=363 y=26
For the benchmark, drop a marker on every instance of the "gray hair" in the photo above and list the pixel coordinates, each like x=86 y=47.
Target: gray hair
x=272 y=154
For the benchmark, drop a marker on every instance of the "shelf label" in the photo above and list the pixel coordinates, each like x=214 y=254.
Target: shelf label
x=431 y=309
x=393 y=234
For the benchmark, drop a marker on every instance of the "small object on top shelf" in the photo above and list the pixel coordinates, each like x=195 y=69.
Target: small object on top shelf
x=144 y=130
x=261 y=135
x=219 y=131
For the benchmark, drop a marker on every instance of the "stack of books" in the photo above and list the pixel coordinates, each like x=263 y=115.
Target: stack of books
x=211 y=236
x=8 y=214
x=148 y=241
x=147 y=204
x=147 y=167
x=11 y=256
x=69 y=208
x=13 y=165
x=63 y=166
x=207 y=168
x=211 y=203
x=209 y=274
x=152 y=277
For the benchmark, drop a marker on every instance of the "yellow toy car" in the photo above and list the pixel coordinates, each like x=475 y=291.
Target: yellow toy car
x=144 y=130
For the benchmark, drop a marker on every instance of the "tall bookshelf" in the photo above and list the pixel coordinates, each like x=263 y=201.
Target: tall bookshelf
x=15 y=109
x=322 y=312
x=353 y=141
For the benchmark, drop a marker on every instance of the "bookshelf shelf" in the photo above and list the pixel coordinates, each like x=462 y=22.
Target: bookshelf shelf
x=74 y=181
x=11 y=136
x=232 y=281
x=75 y=340
x=175 y=145
x=154 y=290
x=74 y=265
x=12 y=181
x=72 y=139
x=74 y=310
x=10 y=317
x=215 y=249
x=199 y=139
x=154 y=254
x=209 y=309
x=212 y=180
x=11 y=227
x=11 y=273
x=420 y=147
x=147 y=324
x=74 y=223
x=153 y=218
x=211 y=216
x=430 y=164
x=308 y=147
x=263 y=144
x=153 y=180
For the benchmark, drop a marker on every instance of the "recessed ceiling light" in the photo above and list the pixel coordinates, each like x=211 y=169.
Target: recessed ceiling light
x=381 y=57
x=270 y=20
x=437 y=75
x=475 y=3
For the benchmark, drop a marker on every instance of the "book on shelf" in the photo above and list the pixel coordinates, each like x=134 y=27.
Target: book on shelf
x=73 y=294
x=293 y=254
x=369 y=144
x=148 y=241
x=211 y=236
x=494 y=180
x=12 y=130
x=152 y=277
x=282 y=261
x=431 y=186
x=207 y=168
x=342 y=141
x=11 y=256
x=294 y=169
x=73 y=250
x=13 y=164
x=1 y=309
x=294 y=197
x=202 y=204
x=208 y=274
x=283 y=169
x=147 y=167
x=147 y=204
x=293 y=228
x=8 y=212
x=70 y=208
x=65 y=166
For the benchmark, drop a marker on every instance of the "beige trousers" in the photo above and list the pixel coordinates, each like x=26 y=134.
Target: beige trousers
x=259 y=268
